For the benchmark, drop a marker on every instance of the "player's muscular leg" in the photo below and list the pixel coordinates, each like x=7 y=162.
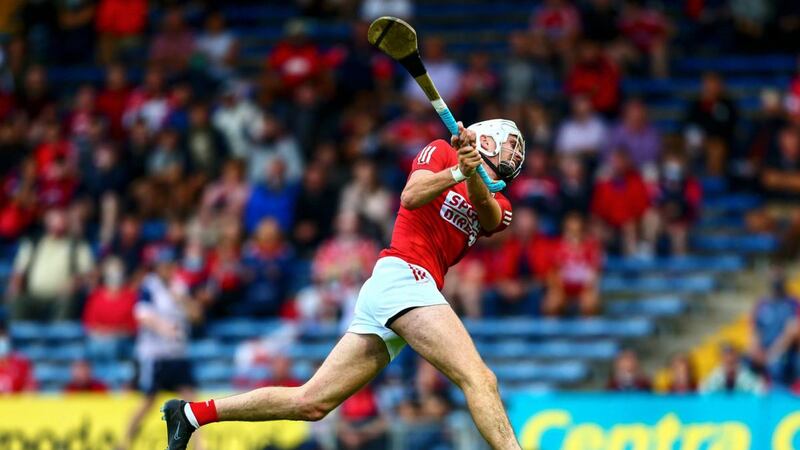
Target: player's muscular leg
x=438 y=335
x=354 y=361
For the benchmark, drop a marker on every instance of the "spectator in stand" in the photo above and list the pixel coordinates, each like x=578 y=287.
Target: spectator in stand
x=773 y=346
x=34 y=95
x=226 y=197
x=621 y=202
x=536 y=187
x=479 y=84
x=648 y=31
x=149 y=102
x=218 y=46
x=49 y=272
x=574 y=187
x=584 y=134
x=120 y=24
x=627 y=375
x=108 y=314
x=82 y=380
x=127 y=244
x=361 y=425
x=174 y=45
x=750 y=20
x=711 y=122
x=314 y=211
x=268 y=260
x=413 y=130
x=780 y=177
x=295 y=60
x=56 y=160
x=113 y=99
x=75 y=37
x=682 y=376
x=226 y=274
x=368 y=198
x=16 y=371
x=273 y=197
x=424 y=411
x=274 y=143
x=348 y=257
x=538 y=125
x=238 y=119
x=525 y=258
x=559 y=22
x=595 y=76
x=762 y=139
x=443 y=71
x=732 y=376
x=526 y=73
x=635 y=135
x=599 y=19
x=18 y=202
x=678 y=200
x=205 y=146
x=574 y=273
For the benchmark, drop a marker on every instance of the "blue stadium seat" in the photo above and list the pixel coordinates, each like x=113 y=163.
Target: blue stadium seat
x=210 y=349
x=537 y=328
x=737 y=63
x=753 y=243
x=321 y=331
x=733 y=202
x=683 y=264
x=650 y=307
x=317 y=351
x=26 y=331
x=47 y=373
x=115 y=374
x=549 y=349
x=562 y=372
x=63 y=331
x=696 y=284
x=713 y=186
x=213 y=372
x=239 y=329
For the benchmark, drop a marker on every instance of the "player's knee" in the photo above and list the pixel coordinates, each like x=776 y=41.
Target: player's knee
x=482 y=378
x=313 y=409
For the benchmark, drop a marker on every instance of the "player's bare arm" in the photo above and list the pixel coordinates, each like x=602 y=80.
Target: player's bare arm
x=423 y=186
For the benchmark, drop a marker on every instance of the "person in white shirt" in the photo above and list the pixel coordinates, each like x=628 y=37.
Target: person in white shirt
x=218 y=45
x=584 y=133
x=239 y=120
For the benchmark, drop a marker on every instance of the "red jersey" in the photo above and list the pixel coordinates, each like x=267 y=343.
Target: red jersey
x=436 y=236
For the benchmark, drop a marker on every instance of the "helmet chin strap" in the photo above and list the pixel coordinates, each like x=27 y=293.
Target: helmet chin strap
x=497 y=170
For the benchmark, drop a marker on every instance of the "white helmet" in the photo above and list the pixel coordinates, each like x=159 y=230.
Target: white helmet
x=511 y=158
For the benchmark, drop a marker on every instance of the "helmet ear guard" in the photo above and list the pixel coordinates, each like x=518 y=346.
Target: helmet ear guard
x=499 y=130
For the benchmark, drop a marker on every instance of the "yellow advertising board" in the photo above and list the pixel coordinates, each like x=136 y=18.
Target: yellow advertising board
x=99 y=422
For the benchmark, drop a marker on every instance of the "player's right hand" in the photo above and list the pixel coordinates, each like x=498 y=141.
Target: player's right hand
x=468 y=159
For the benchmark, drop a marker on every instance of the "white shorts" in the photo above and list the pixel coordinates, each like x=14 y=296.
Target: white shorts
x=395 y=286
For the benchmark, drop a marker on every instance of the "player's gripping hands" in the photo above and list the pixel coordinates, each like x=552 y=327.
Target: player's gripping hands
x=469 y=159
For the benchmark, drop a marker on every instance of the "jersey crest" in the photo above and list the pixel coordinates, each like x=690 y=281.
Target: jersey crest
x=457 y=211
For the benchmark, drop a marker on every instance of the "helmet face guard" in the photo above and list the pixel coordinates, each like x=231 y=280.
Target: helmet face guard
x=508 y=149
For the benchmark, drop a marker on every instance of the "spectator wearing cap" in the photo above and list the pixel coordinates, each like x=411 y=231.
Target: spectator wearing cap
x=732 y=376
x=49 y=272
x=16 y=371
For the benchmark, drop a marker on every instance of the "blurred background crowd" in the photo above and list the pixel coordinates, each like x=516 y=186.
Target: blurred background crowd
x=176 y=173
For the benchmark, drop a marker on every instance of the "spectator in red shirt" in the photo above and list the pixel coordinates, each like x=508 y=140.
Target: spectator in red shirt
x=627 y=375
x=361 y=425
x=120 y=24
x=648 y=32
x=559 y=22
x=296 y=59
x=108 y=314
x=621 y=202
x=113 y=98
x=596 y=76
x=524 y=262
x=678 y=198
x=16 y=372
x=82 y=379
x=172 y=47
x=574 y=270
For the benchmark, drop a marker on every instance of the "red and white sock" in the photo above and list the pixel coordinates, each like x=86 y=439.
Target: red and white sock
x=200 y=413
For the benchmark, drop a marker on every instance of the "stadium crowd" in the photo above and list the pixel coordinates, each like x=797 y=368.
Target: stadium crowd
x=182 y=179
